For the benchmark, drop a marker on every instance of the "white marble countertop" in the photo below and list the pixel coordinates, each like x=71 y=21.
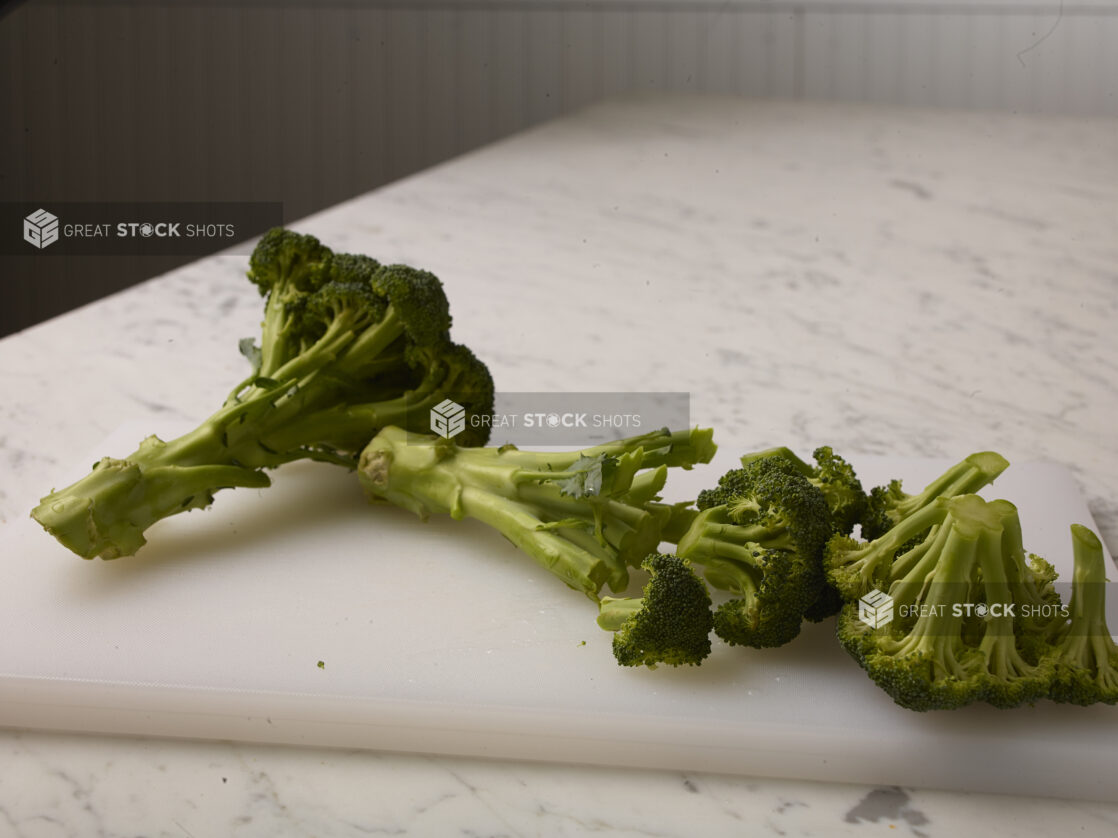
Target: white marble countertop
x=885 y=281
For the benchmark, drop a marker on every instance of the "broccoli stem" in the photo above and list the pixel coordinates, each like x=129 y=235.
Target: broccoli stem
x=106 y=512
x=936 y=634
x=615 y=611
x=1087 y=643
x=855 y=571
x=579 y=569
x=963 y=478
x=587 y=542
x=999 y=643
x=906 y=583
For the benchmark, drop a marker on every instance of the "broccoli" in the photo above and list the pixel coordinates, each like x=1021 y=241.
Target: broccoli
x=833 y=476
x=759 y=535
x=895 y=522
x=888 y=505
x=956 y=637
x=348 y=346
x=845 y=498
x=1086 y=655
x=669 y=623
x=586 y=516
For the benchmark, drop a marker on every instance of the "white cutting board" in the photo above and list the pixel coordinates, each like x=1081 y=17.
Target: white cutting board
x=442 y=638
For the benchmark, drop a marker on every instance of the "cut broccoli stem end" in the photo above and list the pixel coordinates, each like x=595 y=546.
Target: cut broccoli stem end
x=106 y=513
x=964 y=478
x=614 y=612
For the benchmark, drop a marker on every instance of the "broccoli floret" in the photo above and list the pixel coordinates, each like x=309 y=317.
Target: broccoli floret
x=846 y=500
x=585 y=516
x=833 y=476
x=827 y=603
x=955 y=638
x=1086 y=655
x=669 y=623
x=348 y=346
x=759 y=535
x=888 y=505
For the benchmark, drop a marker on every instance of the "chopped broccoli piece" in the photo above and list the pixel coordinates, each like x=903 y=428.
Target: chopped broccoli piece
x=586 y=516
x=759 y=535
x=833 y=476
x=846 y=500
x=348 y=346
x=669 y=623
x=955 y=638
x=1086 y=655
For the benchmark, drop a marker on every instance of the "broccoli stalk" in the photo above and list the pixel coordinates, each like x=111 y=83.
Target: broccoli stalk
x=888 y=505
x=669 y=623
x=587 y=516
x=1086 y=655
x=348 y=347
x=759 y=535
x=895 y=521
x=965 y=643
x=855 y=568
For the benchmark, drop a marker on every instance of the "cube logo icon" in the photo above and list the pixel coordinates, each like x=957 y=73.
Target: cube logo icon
x=875 y=609
x=448 y=419
x=40 y=228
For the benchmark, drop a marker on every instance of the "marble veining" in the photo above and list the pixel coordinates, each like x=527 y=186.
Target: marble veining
x=886 y=281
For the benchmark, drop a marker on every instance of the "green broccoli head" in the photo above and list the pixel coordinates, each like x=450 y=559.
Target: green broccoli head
x=669 y=624
x=769 y=614
x=285 y=263
x=344 y=307
x=287 y=268
x=759 y=535
x=832 y=475
x=1086 y=657
x=347 y=348
x=448 y=371
x=779 y=507
x=418 y=299
x=845 y=498
x=955 y=638
x=841 y=487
